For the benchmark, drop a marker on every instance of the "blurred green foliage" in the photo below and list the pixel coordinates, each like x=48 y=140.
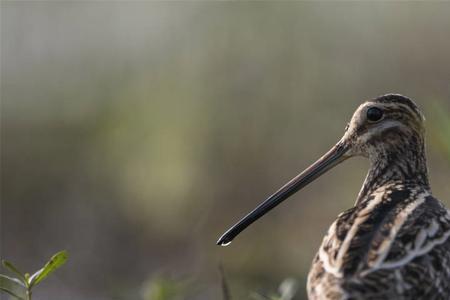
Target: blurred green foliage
x=134 y=133
x=441 y=127
x=286 y=291
x=164 y=289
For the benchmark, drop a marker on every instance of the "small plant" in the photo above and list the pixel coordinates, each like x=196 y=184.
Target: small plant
x=21 y=286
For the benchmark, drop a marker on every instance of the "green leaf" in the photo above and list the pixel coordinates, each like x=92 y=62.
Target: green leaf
x=9 y=265
x=13 y=286
x=54 y=263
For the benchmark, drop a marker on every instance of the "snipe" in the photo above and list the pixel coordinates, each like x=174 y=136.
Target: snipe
x=394 y=242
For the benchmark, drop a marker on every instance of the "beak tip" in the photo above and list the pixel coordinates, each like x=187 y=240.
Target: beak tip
x=223 y=241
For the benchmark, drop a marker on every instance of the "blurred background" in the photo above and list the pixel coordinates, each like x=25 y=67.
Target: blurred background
x=134 y=133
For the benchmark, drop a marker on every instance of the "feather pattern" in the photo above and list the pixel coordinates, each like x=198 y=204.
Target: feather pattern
x=395 y=242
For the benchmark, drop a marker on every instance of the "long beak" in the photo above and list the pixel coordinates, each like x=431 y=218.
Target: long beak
x=332 y=158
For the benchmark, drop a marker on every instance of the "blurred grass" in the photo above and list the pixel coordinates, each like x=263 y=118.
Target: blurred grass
x=440 y=126
x=163 y=288
x=166 y=288
x=149 y=128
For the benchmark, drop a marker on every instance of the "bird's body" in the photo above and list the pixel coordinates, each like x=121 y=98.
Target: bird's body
x=394 y=243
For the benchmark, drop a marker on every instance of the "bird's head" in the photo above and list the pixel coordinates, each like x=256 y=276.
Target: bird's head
x=384 y=124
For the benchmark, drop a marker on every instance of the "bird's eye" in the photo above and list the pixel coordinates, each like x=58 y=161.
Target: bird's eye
x=374 y=114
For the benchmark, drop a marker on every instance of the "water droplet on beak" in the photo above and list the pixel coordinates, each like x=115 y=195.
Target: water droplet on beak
x=225 y=244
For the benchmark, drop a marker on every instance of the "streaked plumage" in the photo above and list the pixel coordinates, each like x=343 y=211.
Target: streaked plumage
x=394 y=243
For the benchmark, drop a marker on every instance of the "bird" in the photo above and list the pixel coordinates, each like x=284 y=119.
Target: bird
x=394 y=243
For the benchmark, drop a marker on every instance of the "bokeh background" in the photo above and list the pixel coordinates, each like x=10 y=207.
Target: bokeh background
x=134 y=133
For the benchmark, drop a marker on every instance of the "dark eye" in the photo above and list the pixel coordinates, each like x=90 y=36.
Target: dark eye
x=374 y=114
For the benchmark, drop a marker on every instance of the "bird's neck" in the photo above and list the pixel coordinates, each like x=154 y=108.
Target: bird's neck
x=403 y=164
